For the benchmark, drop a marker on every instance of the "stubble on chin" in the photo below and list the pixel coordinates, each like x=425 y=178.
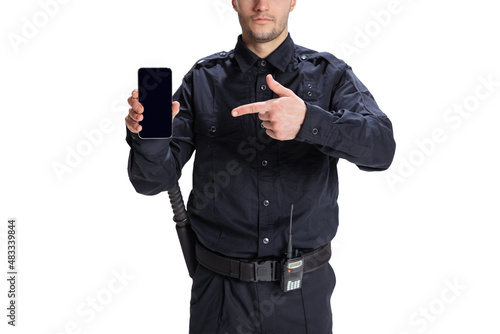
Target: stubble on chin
x=263 y=37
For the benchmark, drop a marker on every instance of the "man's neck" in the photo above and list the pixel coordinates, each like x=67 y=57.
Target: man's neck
x=263 y=50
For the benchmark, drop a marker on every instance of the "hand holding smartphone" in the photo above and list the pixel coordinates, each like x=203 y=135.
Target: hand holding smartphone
x=155 y=95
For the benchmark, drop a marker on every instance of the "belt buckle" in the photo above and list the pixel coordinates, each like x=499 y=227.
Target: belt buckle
x=265 y=271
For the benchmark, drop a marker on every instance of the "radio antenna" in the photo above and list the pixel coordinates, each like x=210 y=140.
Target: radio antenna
x=290 y=248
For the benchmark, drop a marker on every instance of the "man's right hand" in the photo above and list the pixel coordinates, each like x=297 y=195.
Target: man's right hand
x=135 y=112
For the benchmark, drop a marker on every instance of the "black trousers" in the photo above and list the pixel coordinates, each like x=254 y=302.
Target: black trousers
x=223 y=305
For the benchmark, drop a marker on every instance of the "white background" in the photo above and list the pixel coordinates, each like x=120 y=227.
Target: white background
x=405 y=235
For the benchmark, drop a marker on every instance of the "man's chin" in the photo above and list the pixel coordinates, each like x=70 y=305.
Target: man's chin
x=263 y=37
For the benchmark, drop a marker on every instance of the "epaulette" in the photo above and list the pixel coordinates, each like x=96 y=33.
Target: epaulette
x=304 y=54
x=212 y=59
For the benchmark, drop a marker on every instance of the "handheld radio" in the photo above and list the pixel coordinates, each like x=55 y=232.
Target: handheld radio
x=293 y=267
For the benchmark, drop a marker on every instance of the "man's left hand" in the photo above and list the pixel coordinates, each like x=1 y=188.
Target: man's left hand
x=282 y=117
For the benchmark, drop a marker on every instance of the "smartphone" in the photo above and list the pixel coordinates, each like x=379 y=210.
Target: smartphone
x=155 y=95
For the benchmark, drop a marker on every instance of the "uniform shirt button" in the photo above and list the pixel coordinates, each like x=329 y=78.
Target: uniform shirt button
x=213 y=129
x=263 y=87
x=264 y=163
x=262 y=125
x=315 y=131
x=265 y=241
x=263 y=63
x=266 y=202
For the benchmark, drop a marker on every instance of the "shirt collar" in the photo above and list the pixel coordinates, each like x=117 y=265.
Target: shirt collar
x=279 y=58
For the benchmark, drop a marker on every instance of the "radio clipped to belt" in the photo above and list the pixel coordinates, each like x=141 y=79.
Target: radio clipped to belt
x=293 y=266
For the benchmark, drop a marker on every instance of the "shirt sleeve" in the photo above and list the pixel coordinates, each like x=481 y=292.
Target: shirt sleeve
x=155 y=165
x=354 y=129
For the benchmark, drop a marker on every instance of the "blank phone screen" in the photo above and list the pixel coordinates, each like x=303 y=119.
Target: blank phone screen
x=155 y=95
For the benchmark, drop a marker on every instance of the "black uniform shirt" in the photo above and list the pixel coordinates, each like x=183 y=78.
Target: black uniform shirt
x=244 y=181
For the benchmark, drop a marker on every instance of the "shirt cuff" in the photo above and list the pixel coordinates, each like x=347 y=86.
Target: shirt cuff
x=146 y=146
x=317 y=126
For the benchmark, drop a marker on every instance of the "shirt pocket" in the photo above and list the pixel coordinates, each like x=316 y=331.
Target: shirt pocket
x=218 y=131
x=217 y=138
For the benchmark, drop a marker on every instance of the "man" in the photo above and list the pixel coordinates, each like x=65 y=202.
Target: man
x=268 y=121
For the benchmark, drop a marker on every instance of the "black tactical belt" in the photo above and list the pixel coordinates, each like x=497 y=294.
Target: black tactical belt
x=268 y=270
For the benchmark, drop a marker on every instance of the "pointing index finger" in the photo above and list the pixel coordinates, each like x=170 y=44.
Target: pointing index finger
x=252 y=108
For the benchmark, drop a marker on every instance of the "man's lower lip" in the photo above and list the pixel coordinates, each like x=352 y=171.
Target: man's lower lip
x=262 y=21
